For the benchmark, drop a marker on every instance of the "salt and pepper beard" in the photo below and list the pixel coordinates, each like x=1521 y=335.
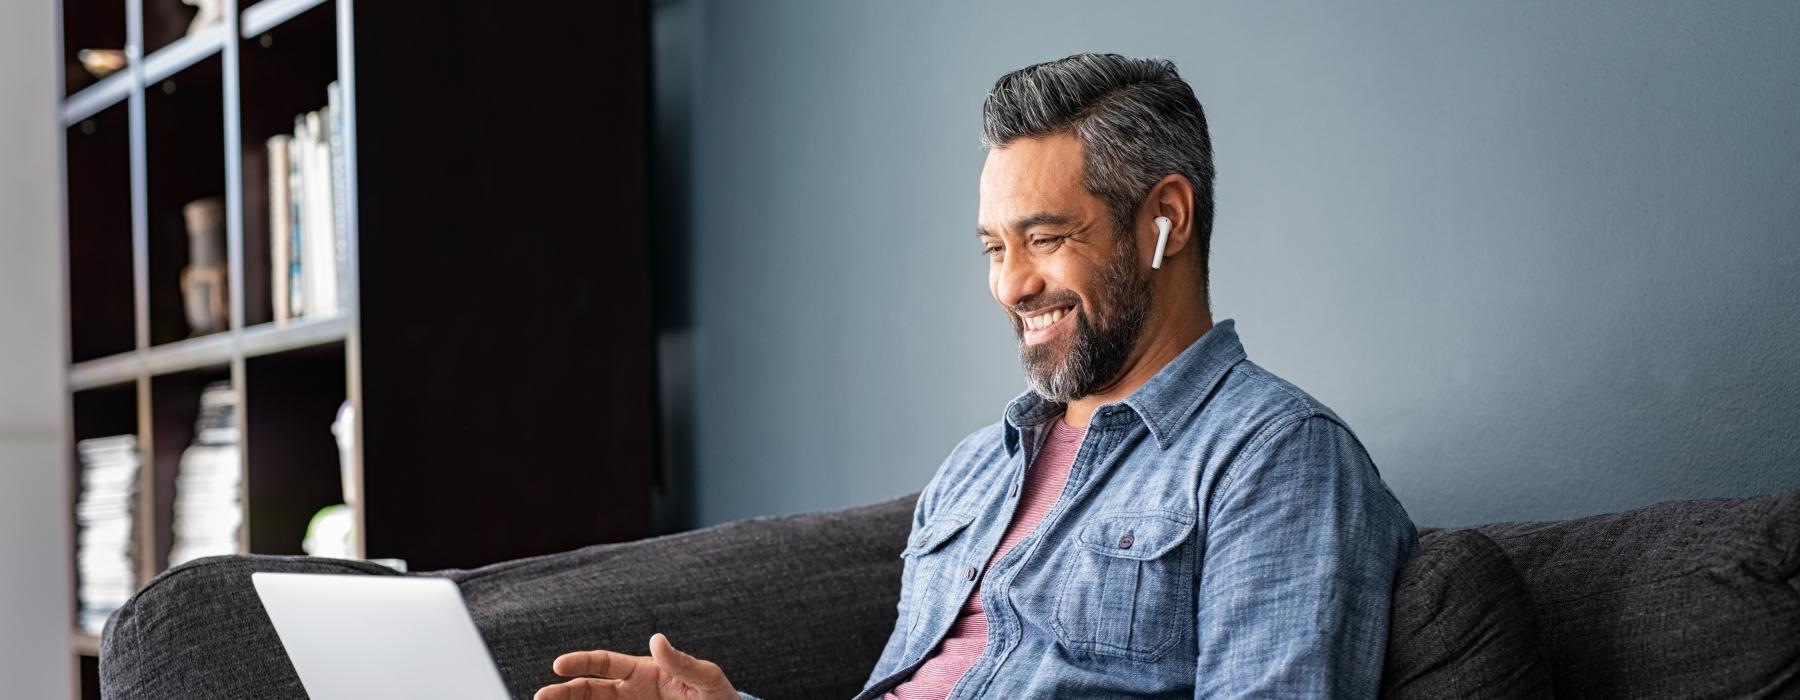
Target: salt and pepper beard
x=1097 y=351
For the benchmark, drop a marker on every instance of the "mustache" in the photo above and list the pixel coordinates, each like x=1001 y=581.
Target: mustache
x=1046 y=300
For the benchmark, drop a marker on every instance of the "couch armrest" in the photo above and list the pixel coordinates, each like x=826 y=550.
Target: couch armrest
x=198 y=630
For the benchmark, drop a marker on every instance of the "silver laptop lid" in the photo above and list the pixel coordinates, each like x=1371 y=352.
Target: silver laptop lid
x=379 y=637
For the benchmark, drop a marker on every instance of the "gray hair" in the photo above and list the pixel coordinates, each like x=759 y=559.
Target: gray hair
x=1137 y=121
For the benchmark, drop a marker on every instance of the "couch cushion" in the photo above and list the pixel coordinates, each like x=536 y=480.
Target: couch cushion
x=1462 y=624
x=1684 y=599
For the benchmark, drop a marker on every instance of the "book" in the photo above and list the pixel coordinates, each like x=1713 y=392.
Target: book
x=208 y=507
x=309 y=214
x=321 y=253
x=340 y=219
x=279 y=219
x=104 y=546
x=296 y=228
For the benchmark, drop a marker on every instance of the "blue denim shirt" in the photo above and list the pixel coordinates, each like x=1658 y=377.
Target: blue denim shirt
x=1222 y=533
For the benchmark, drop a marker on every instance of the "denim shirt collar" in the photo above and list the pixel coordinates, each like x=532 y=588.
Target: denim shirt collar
x=1163 y=404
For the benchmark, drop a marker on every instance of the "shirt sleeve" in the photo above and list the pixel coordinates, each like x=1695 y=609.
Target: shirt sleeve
x=892 y=655
x=1303 y=541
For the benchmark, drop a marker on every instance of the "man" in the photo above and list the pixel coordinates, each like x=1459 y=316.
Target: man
x=1158 y=516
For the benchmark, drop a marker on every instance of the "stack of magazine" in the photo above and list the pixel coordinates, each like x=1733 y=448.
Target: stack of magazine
x=208 y=509
x=103 y=547
x=308 y=223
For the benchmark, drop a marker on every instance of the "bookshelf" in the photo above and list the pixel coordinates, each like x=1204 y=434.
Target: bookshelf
x=495 y=338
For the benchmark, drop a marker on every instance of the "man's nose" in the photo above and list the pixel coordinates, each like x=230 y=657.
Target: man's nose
x=1017 y=280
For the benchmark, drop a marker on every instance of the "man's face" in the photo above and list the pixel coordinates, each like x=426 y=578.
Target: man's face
x=1072 y=286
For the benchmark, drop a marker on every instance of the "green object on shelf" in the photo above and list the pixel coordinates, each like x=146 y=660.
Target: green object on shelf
x=332 y=533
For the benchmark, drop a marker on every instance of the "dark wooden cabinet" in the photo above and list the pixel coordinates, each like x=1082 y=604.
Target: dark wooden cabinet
x=496 y=337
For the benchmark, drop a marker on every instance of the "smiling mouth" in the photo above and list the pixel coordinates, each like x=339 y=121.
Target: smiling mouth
x=1044 y=320
x=1037 y=325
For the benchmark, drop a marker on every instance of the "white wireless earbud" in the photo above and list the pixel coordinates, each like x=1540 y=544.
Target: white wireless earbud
x=1162 y=241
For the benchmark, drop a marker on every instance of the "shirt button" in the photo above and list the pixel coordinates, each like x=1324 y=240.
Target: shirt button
x=1125 y=542
x=969 y=573
x=1014 y=493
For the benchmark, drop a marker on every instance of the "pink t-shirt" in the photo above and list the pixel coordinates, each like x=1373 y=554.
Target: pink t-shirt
x=968 y=637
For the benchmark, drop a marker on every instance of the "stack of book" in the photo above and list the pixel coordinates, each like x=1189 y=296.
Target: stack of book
x=208 y=507
x=103 y=547
x=308 y=225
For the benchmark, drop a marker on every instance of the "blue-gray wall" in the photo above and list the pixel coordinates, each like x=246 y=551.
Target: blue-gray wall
x=1545 y=259
x=34 y=498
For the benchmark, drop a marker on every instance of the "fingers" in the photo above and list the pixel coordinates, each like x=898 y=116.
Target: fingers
x=581 y=689
x=704 y=675
x=605 y=664
x=614 y=669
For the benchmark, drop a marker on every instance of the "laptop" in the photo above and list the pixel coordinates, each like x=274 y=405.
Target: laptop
x=379 y=637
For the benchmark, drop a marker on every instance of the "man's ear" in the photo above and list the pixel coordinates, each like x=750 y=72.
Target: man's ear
x=1173 y=197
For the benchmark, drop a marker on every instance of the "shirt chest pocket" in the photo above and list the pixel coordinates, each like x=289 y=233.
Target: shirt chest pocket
x=932 y=568
x=1128 y=591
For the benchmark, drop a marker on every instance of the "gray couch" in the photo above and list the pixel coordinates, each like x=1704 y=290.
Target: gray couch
x=1683 y=599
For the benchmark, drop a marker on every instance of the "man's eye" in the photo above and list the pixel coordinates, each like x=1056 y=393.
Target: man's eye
x=990 y=250
x=1046 y=241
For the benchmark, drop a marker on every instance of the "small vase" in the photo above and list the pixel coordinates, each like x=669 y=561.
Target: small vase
x=203 y=281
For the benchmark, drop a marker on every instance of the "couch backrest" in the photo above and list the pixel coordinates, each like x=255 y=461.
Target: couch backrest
x=791 y=607
x=1682 y=599
x=1696 y=598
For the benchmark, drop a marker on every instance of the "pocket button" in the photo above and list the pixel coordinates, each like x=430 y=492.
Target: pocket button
x=1125 y=541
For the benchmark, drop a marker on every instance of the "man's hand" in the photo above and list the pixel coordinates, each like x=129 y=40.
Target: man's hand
x=667 y=674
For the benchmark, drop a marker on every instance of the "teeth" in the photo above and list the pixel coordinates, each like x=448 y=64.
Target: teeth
x=1045 y=320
